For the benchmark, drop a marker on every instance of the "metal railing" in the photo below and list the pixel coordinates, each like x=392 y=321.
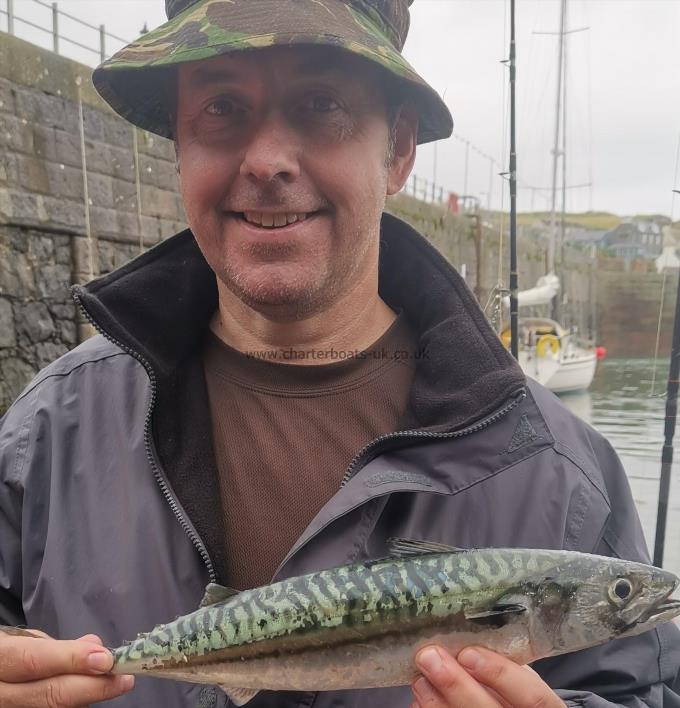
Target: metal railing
x=12 y=18
x=425 y=190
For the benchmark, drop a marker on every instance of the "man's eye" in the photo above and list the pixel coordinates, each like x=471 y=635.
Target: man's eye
x=221 y=107
x=322 y=104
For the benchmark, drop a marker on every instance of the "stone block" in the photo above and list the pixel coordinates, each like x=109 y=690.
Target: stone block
x=15 y=134
x=166 y=177
x=117 y=131
x=63 y=254
x=154 y=145
x=15 y=374
x=67 y=148
x=68 y=332
x=40 y=250
x=22 y=207
x=7 y=100
x=93 y=122
x=64 y=311
x=39 y=107
x=65 y=181
x=33 y=174
x=81 y=258
x=44 y=142
x=151 y=229
x=47 y=352
x=128 y=226
x=98 y=156
x=7 y=333
x=124 y=195
x=53 y=281
x=159 y=202
x=122 y=164
x=100 y=190
x=9 y=171
x=66 y=213
x=103 y=221
x=33 y=320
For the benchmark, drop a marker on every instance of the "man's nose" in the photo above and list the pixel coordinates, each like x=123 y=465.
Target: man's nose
x=273 y=151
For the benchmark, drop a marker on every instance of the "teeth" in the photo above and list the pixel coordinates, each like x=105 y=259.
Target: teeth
x=273 y=220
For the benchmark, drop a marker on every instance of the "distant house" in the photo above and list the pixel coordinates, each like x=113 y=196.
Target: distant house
x=634 y=239
x=584 y=237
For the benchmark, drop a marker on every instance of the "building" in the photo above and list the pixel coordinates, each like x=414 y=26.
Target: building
x=639 y=239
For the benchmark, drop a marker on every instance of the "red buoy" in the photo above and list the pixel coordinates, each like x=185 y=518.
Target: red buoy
x=600 y=352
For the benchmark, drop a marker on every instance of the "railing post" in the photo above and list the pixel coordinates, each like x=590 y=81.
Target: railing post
x=102 y=42
x=10 y=16
x=55 y=28
x=414 y=192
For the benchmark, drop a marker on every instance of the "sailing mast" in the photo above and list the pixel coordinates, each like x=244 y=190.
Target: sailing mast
x=669 y=433
x=514 y=287
x=556 y=143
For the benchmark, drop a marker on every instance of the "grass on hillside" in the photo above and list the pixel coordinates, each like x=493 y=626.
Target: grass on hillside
x=598 y=220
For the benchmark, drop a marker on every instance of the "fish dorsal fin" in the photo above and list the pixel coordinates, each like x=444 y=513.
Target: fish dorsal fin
x=407 y=547
x=216 y=593
x=239 y=696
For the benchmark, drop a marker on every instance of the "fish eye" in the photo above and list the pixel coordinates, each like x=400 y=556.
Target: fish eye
x=620 y=591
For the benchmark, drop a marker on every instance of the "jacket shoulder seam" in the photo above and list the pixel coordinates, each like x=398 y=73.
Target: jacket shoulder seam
x=565 y=451
x=62 y=374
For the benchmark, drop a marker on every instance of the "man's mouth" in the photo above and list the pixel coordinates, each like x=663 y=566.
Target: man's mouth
x=273 y=220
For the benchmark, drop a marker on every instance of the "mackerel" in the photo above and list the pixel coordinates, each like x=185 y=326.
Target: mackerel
x=360 y=626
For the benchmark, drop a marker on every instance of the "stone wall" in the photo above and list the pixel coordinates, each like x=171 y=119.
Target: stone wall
x=45 y=245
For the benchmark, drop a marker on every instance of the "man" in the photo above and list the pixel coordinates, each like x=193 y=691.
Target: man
x=211 y=432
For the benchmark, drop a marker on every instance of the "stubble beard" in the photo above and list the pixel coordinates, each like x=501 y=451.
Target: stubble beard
x=294 y=298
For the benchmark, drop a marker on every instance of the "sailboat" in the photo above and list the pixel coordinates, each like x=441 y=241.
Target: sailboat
x=548 y=352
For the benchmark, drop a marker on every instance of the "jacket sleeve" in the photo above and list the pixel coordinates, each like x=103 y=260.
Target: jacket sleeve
x=15 y=427
x=636 y=672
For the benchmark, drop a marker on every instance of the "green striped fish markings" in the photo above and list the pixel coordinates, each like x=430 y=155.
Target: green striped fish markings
x=360 y=626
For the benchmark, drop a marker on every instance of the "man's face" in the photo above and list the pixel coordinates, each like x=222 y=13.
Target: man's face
x=284 y=171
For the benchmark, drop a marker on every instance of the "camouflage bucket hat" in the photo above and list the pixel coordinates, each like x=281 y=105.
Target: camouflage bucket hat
x=201 y=29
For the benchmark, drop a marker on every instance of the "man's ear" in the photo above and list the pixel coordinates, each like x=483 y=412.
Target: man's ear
x=403 y=144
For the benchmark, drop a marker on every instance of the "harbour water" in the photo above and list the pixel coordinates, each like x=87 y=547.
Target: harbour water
x=621 y=405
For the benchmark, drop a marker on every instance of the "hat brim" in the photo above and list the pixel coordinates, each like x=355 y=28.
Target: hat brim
x=129 y=80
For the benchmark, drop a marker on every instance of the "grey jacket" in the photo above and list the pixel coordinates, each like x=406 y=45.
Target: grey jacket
x=109 y=519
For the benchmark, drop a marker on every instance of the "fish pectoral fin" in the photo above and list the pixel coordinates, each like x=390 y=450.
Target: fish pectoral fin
x=18 y=632
x=401 y=547
x=216 y=593
x=239 y=696
x=498 y=612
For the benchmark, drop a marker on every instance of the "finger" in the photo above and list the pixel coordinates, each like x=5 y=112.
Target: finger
x=92 y=638
x=519 y=686
x=453 y=687
x=65 y=691
x=23 y=659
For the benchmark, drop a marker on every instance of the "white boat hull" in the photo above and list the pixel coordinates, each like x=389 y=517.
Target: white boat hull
x=575 y=374
x=554 y=357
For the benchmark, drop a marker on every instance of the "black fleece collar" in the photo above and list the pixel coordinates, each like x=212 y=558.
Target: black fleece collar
x=159 y=305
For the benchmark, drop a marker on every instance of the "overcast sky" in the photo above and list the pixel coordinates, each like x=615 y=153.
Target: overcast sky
x=623 y=122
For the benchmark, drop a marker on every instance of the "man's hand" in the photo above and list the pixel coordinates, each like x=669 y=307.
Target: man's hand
x=479 y=678
x=46 y=673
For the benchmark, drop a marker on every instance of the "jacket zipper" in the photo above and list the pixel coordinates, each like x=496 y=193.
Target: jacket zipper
x=375 y=444
x=148 y=440
x=420 y=434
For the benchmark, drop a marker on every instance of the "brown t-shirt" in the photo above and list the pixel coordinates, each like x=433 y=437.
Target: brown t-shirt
x=284 y=435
